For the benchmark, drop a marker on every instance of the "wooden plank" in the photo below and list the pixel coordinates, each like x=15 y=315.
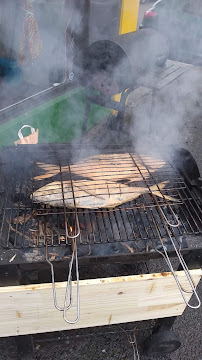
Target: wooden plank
x=138 y=94
x=167 y=65
x=179 y=63
x=29 y=309
x=165 y=75
x=166 y=72
x=168 y=79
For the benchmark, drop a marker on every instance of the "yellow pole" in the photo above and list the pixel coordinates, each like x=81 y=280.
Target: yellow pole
x=129 y=15
x=128 y=23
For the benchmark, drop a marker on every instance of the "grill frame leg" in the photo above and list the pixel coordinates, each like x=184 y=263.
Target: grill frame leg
x=162 y=343
x=164 y=324
x=25 y=347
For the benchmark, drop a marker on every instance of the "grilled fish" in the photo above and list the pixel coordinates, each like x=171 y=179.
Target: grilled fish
x=92 y=194
x=106 y=167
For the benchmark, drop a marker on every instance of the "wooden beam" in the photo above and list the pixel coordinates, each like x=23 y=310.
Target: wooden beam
x=29 y=309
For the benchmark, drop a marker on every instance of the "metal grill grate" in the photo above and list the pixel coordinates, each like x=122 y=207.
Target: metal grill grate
x=24 y=223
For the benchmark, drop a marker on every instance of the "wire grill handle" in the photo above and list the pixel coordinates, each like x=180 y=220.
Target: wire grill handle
x=183 y=264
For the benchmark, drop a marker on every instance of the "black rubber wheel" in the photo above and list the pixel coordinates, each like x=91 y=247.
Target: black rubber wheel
x=164 y=342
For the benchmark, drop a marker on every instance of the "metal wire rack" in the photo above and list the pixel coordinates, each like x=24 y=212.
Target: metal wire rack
x=25 y=223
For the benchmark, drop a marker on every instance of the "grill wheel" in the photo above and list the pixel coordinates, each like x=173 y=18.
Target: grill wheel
x=164 y=342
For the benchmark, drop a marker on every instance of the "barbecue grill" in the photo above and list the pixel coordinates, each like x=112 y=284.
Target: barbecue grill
x=163 y=221
x=26 y=225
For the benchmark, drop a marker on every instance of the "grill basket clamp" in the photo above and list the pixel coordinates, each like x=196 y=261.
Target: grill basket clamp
x=74 y=256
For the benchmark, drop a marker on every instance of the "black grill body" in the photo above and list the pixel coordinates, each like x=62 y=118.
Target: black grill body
x=133 y=230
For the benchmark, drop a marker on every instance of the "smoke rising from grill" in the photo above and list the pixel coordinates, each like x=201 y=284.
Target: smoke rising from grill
x=158 y=123
x=172 y=105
